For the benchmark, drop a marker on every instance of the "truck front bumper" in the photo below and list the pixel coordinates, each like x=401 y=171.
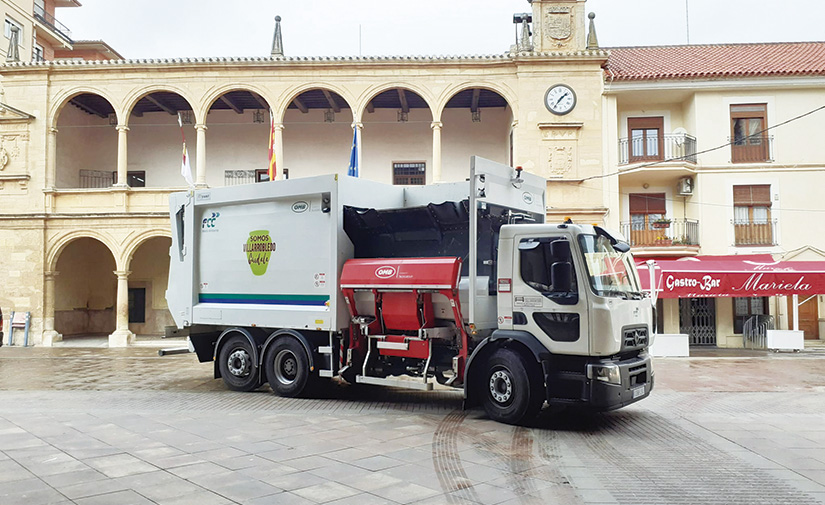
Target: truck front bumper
x=615 y=384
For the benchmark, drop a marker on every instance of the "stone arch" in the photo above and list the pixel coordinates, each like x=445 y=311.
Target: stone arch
x=62 y=99
x=85 y=291
x=82 y=116
x=58 y=245
x=370 y=93
x=147 y=282
x=504 y=91
x=294 y=92
x=134 y=96
x=133 y=244
x=212 y=95
x=154 y=135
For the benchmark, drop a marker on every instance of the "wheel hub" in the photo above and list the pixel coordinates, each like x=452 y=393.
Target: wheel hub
x=238 y=363
x=286 y=367
x=501 y=386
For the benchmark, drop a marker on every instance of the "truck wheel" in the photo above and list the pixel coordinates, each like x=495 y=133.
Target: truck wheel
x=237 y=365
x=512 y=388
x=287 y=367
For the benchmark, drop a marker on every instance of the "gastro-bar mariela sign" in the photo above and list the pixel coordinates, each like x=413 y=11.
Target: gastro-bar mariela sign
x=685 y=279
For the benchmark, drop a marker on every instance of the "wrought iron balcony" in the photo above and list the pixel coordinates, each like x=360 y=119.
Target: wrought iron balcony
x=754 y=233
x=47 y=19
x=751 y=149
x=670 y=147
x=676 y=233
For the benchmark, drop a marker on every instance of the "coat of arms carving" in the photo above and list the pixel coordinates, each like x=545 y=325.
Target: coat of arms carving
x=559 y=23
x=560 y=161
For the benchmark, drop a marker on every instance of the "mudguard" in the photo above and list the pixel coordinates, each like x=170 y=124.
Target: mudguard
x=242 y=331
x=499 y=338
x=298 y=336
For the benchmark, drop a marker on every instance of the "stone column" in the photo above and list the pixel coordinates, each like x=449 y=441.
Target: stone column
x=50 y=336
x=279 y=151
x=200 y=180
x=436 y=126
x=122 y=160
x=514 y=135
x=51 y=160
x=122 y=337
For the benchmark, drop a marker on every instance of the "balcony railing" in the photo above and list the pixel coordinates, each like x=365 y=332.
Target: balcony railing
x=752 y=149
x=680 y=232
x=673 y=147
x=754 y=233
x=47 y=19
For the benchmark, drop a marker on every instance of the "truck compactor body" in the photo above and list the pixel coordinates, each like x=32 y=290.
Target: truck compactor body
x=290 y=282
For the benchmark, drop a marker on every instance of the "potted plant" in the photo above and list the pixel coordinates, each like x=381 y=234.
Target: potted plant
x=662 y=222
x=663 y=241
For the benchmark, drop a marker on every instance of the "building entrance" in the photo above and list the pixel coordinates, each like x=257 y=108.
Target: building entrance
x=697 y=318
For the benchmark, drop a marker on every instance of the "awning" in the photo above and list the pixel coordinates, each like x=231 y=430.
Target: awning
x=709 y=276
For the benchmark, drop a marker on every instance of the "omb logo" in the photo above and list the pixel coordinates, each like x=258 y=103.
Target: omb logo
x=385 y=272
x=527 y=197
x=299 y=207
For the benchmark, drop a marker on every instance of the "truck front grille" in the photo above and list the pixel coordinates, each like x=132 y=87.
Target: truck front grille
x=635 y=337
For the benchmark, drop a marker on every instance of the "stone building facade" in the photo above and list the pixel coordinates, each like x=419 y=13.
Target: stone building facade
x=94 y=149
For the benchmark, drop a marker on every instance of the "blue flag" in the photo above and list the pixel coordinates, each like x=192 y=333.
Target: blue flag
x=353 y=157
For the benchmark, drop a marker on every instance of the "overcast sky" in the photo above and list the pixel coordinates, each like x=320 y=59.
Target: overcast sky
x=199 y=28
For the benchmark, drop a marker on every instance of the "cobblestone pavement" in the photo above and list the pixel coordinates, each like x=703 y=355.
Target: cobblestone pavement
x=110 y=427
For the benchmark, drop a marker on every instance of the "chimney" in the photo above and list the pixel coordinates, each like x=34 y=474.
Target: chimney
x=277 y=40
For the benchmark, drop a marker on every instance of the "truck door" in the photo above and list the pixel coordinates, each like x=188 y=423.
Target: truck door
x=548 y=301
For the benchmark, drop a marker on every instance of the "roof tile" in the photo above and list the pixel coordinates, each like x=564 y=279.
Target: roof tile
x=716 y=61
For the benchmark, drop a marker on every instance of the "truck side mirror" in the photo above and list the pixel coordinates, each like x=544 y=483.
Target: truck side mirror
x=561 y=276
x=560 y=249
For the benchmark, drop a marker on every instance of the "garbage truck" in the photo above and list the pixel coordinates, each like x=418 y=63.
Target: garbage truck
x=456 y=285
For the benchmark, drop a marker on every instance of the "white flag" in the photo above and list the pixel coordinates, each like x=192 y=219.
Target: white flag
x=185 y=169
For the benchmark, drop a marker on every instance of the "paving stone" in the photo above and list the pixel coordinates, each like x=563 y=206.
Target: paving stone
x=737 y=431
x=119 y=465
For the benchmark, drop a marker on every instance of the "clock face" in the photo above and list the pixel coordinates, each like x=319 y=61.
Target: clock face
x=560 y=99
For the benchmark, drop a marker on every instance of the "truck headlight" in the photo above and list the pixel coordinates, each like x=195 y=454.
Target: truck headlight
x=605 y=373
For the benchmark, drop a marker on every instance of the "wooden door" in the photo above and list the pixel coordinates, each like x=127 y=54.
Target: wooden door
x=808 y=317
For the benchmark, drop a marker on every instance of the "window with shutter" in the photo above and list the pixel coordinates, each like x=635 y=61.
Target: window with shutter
x=752 y=215
x=646 y=139
x=648 y=221
x=749 y=141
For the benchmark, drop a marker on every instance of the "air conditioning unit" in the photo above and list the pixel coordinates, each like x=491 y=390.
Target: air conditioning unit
x=685 y=186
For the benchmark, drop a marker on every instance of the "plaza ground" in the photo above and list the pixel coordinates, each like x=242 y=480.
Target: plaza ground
x=92 y=425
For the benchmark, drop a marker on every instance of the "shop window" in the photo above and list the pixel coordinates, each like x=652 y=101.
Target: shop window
x=749 y=141
x=747 y=308
x=646 y=139
x=409 y=173
x=752 y=215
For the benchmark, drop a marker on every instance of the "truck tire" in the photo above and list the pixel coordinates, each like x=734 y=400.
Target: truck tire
x=287 y=367
x=237 y=366
x=512 y=390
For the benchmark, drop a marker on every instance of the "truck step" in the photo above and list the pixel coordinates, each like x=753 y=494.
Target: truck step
x=397 y=383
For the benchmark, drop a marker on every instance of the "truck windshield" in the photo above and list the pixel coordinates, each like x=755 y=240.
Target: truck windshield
x=611 y=272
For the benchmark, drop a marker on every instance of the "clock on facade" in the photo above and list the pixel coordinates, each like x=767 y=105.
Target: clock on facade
x=560 y=99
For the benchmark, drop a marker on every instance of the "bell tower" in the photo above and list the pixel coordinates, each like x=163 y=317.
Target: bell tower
x=558 y=25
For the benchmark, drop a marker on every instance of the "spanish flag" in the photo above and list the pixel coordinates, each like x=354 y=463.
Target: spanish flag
x=272 y=168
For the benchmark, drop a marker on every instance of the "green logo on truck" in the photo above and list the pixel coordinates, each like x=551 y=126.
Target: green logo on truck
x=258 y=249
